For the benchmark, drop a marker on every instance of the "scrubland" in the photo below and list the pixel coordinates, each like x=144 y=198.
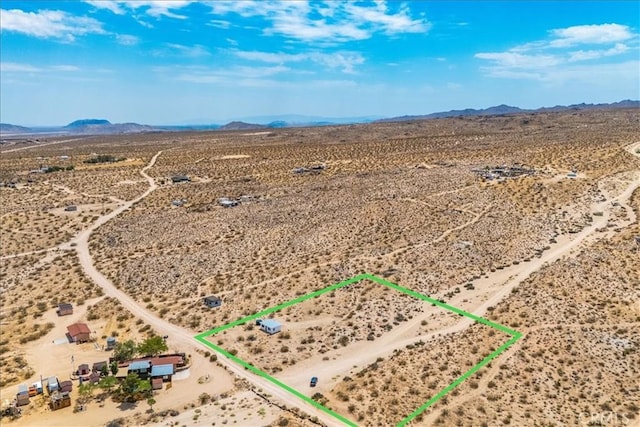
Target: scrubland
x=398 y=200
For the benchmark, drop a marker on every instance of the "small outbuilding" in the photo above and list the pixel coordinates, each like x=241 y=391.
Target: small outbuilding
x=79 y=333
x=23 y=390
x=225 y=202
x=52 y=384
x=22 y=397
x=66 y=386
x=164 y=372
x=64 y=309
x=270 y=326
x=71 y=208
x=140 y=367
x=37 y=386
x=111 y=342
x=212 y=301
x=99 y=366
x=176 y=179
x=59 y=400
x=156 y=384
x=83 y=369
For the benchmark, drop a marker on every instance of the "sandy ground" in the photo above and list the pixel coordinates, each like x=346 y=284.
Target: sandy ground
x=488 y=292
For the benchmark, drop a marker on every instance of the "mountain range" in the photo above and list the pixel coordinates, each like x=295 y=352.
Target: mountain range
x=104 y=127
x=507 y=109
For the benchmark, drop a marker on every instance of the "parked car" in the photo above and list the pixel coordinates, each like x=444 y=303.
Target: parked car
x=314 y=381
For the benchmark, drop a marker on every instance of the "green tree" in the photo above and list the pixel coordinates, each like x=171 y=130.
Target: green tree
x=129 y=386
x=114 y=368
x=104 y=371
x=86 y=392
x=124 y=350
x=152 y=346
x=144 y=388
x=107 y=383
x=151 y=401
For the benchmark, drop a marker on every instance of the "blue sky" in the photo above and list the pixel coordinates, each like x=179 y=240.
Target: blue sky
x=176 y=62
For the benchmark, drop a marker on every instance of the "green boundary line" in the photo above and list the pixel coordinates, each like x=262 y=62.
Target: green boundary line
x=515 y=336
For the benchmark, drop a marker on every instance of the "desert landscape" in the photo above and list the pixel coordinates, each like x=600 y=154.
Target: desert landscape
x=528 y=220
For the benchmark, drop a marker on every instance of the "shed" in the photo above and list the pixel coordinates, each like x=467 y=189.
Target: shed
x=99 y=366
x=23 y=389
x=71 y=208
x=271 y=326
x=83 y=369
x=140 y=367
x=22 y=399
x=227 y=203
x=111 y=342
x=59 y=400
x=64 y=309
x=52 y=384
x=37 y=386
x=212 y=301
x=164 y=372
x=79 y=332
x=66 y=386
x=180 y=178
x=156 y=384
x=122 y=373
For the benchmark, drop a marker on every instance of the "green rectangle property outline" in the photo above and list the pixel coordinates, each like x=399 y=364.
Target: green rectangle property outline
x=515 y=336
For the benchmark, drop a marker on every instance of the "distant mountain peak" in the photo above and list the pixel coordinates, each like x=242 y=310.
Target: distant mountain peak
x=236 y=125
x=88 y=122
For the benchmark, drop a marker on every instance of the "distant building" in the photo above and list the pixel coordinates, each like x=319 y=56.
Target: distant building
x=83 y=369
x=52 y=384
x=98 y=366
x=227 y=203
x=212 y=301
x=22 y=397
x=79 y=333
x=164 y=372
x=71 y=208
x=59 y=400
x=270 y=326
x=176 y=179
x=111 y=342
x=64 y=309
x=66 y=386
x=141 y=367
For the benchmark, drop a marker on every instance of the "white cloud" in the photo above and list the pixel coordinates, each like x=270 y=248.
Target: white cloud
x=14 y=67
x=153 y=8
x=390 y=23
x=590 y=34
x=107 y=4
x=346 y=61
x=518 y=60
x=329 y=22
x=49 y=24
x=219 y=23
x=227 y=76
x=553 y=59
x=583 y=55
x=64 y=68
x=195 y=51
x=127 y=40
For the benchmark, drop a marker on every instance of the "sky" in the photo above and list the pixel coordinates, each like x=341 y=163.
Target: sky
x=186 y=62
